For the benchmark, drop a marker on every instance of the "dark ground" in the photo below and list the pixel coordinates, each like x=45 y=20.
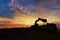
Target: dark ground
x=33 y=33
x=26 y=34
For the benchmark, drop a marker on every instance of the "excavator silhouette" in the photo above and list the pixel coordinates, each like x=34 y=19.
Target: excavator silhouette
x=48 y=27
x=40 y=19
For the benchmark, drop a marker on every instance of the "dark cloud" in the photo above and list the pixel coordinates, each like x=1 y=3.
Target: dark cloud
x=49 y=5
x=39 y=1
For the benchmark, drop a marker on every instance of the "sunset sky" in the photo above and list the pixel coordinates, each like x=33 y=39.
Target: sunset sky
x=25 y=12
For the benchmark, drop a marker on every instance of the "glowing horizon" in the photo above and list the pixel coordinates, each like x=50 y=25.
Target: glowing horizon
x=26 y=12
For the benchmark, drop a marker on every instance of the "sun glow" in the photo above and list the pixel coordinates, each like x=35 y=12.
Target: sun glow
x=23 y=20
x=30 y=20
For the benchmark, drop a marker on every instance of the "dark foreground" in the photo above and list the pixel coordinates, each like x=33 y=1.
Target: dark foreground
x=27 y=34
x=45 y=32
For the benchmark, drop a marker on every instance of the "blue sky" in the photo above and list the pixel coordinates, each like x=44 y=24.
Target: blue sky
x=49 y=5
x=5 y=8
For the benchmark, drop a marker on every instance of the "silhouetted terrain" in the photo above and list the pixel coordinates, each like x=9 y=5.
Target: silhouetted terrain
x=36 y=32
